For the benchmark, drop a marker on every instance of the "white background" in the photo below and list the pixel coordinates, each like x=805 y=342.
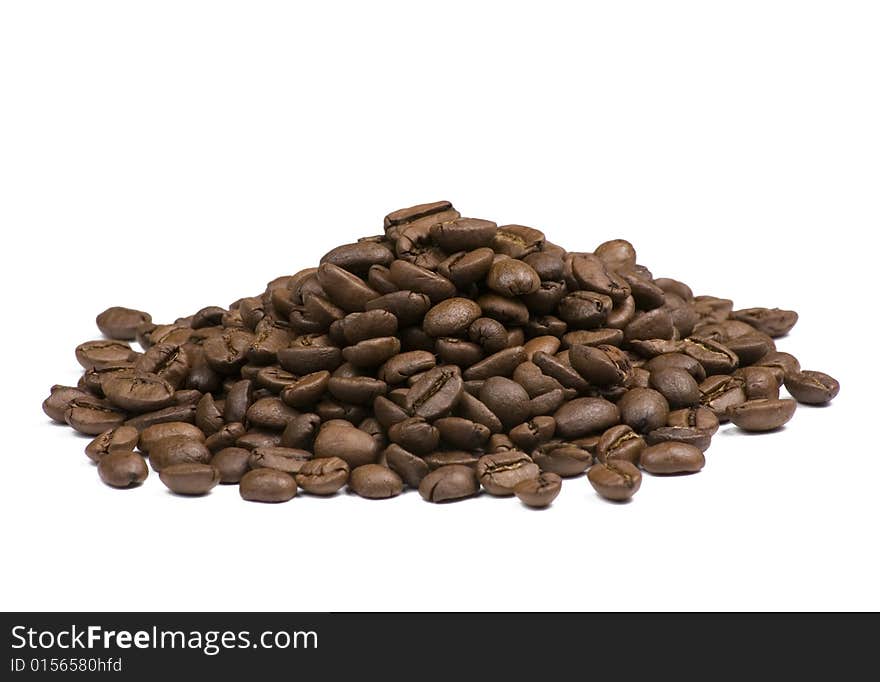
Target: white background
x=171 y=155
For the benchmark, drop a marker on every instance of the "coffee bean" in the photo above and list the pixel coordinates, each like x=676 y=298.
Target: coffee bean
x=60 y=398
x=119 y=438
x=175 y=413
x=156 y=433
x=288 y=460
x=178 y=450
x=562 y=458
x=436 y=393
x=232 y=463
x=190 y=479
x=463 y=234
x=324 y=476
x=103 y=353
x=812 y=388
x=672 y=458
x=602 y=365
x=122 y=469
x=762 y=415
x=539 y=492
x=680 y=434
x=449 y=483
x=676 y=385
x=759 y=382
x=722 y=392
x=511 y=277
x=701 y=418
x=415 y=435
x=529 y=435
x=449 y=457
x=139 y=393
x=348 y=443
x=92 y=416
x=502 y=363
x=594 y=275
x=226 y=437
x=615 y=480
x=585 y=416
x=771 y=321
x=620 y=443
x=375 y=482
x=499 y=473
x=121 y=323
x=451 y=317
x=267 y=485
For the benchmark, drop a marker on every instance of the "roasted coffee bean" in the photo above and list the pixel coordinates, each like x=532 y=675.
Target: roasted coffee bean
x=232 y=463
x=722 y=392
x=618 y=254
x=678 y=361
x=156 y=433
x=562 y=372
x=453 y=351
x=288 y=460
x=92 y=416
x=811 y=388
x=372 y=352
x=409 y=467
x=511 y=277
x=500 y=472
x=324 y=476
x=603 y=365
x=104 y=353
x=620 y=443
x=508 y=311
x=529 y=435
x=462 y=433
x=643 y=409
x=502 y=363
x=585 y=309
x=60 y=398
x=451 y=317
x=615 y=480
x=463 y=234
x=121 y=323
x=139 y=393
x=351 y=444
x=357 y=258
x=680 y=434
x=585 y=416
x=539 y=492
x=375 y=482
x=491 y=334
x=593 y=274
x=415 y=435
x=506 y=399
x=562 y=458
x=190 y=479
x=209 y=417
x=673 y=286
x=760 y=382
x=178 y=450
x=672 y=458
x=530 y=377
x=701 y=418
x=358 y=390
x=762 y=415
x=676 y=385
x=784 y=364
x=771 y=321
x=448 y=457
x=167 y=361
x=267 y=485
x=175 y=413
x=119 y=438
x=449 y=483
x=399 y=368
x=226 y=437
x=715 y=357
x=122 y=469
x=436 y=393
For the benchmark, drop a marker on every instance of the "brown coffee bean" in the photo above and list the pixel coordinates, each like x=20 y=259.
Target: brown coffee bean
x=680 y=434
x=762 y=415
x=449 y=483
x=375 y=482
x=811 y=388
x=190 y=479
x=122 y=469
x=539 y=492
x=178 y=450
x=436 y=393
x=620 y=443
x=672 y=458
x=152 y=435
x=499 y=473
x=232 y=463
x=267 y=485
x=615 y=480
x=121 y=323
x=119 y=438
x=585 y=416
x=324 y=476
x=511 y=277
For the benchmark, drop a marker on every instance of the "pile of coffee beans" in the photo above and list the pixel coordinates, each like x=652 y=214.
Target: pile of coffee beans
x=448 y=355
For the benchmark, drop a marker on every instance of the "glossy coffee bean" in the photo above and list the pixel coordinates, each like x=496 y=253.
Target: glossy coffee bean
x=103 y=353
x=288 y=460
x=156 y=433
x=539 y=492
x=564 y=458
x=585 y=416
x=232 y=463
x=436 y=393
x=178 y=450
x=189 y=478
x=350 y=444
x=700 y=418
x=762 y=415
x=324 y=476
x=121 y=323
x=499 y=473
x=411 y=468
x=681 y=434
x=620 y=443
x=119 y=438
x=92 y=416
x=375 y=482
x=449 y=483
x=672 y=458
x=615 y=480
x=676 y=385
x=267 y=485
x=812 y=388
x=122 y=469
